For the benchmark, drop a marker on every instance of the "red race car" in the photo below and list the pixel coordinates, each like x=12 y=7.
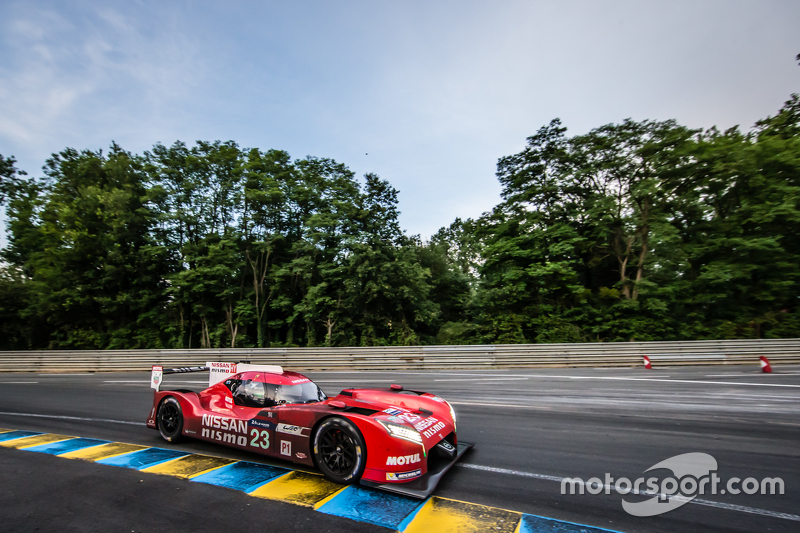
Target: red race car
x=393 y=439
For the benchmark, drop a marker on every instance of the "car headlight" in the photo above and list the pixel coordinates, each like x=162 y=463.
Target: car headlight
x=402 y=432
x=452 y=413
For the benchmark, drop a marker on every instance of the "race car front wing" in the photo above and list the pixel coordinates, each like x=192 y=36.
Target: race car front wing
x=424 y=486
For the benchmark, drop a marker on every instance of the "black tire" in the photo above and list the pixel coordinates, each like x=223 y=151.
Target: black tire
x=339 y=450
x=170 y=419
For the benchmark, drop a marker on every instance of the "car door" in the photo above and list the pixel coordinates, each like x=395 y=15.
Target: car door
x=253 y=407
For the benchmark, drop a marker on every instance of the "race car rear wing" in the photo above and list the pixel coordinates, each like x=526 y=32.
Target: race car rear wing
x=216 y=371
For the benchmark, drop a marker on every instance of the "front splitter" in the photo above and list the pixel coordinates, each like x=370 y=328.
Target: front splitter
x=422 y=487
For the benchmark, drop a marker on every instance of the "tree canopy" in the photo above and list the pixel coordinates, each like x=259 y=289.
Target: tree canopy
x=633 y=231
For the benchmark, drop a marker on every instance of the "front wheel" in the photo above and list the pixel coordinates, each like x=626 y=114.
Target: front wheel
x=170 y=419
x=339 y=450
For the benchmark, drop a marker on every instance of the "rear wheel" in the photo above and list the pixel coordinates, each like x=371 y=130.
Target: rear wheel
x=339 y=450
x=170 y=419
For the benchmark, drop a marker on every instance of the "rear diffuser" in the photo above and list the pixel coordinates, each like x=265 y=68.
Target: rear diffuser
x=422 y=487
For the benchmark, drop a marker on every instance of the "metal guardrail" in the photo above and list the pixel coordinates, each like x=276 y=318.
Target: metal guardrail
x=611 y=354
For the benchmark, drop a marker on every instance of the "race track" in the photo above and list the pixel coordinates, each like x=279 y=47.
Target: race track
x=531 y=428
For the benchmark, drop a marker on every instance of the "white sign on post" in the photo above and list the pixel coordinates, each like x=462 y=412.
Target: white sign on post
x=156 y=376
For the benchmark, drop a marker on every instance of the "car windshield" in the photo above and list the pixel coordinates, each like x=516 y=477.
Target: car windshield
x=307 y=392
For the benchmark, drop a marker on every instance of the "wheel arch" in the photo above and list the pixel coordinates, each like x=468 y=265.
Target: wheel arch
x=318 y=423
x=353 y=421
x=183 y=402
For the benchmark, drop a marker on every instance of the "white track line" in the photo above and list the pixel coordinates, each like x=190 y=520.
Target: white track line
x=58 y=417
x=753 y=375
x=698 y=501
x=59 y=375
x=558 y=376
x=17 y=382
x=142 y=382
x=345 y=380
x=560 y=405
x=730 y=375
x=685 y=381
x=484 y=379
x=659 y=380
x=517 y=406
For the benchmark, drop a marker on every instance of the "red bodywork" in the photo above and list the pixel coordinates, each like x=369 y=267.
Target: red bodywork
x=286 y=431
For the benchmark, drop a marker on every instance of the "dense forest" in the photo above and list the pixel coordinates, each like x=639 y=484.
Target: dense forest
x=632 y=231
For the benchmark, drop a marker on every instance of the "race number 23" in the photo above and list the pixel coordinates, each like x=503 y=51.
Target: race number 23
x=260 y=439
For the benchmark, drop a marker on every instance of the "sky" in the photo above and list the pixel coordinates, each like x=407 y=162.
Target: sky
x=426 y=94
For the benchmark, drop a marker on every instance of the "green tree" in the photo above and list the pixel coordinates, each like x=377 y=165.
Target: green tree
x=82 y=238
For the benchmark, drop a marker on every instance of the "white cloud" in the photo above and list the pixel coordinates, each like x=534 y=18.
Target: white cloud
x=88 y=79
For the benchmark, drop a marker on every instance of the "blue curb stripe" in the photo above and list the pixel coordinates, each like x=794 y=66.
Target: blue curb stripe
x=244 y=475
x=143 y=458
x=357 y=503
x=539 y=524
x=17 y=435
x=64 y=446
x=365 y=505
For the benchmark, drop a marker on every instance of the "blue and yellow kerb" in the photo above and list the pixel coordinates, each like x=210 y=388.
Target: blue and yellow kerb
x=292 y=486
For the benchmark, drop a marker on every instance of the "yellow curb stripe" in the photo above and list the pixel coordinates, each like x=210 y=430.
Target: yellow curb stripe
x=452 y=516
x=329 y=498
x=441 y=515
x=424 y=510
x=470 y=503
x=299 y=488
x=104 y=451
x=26 y=442
x=189 y=466
x=3 y=430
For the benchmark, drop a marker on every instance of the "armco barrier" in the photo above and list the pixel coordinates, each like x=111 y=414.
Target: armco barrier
x=728 y=352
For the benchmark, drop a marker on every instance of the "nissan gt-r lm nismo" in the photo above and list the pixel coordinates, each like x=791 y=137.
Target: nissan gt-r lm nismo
x=394 y=439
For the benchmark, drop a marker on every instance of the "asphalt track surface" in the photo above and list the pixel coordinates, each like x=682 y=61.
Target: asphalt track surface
x=531 y=428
